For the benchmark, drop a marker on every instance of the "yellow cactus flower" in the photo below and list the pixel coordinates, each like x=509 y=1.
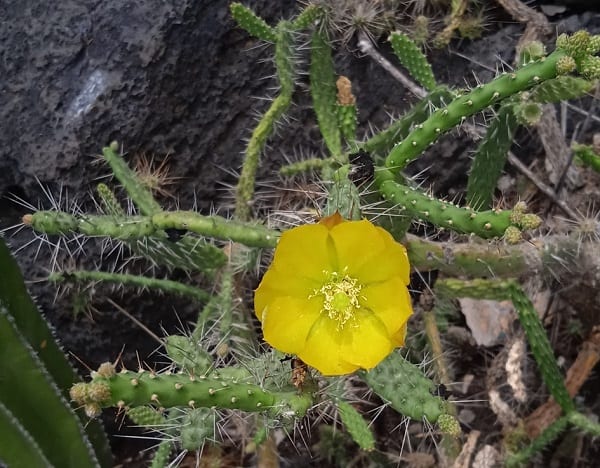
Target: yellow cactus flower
x=336 y=295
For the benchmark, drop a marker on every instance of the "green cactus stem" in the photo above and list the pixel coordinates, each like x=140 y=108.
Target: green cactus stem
x=128 y=389
x=521 y=458
x=356 y=426
x=530 y=321
x=284 y=64
x=384 y=141
x=145 y=282
x=485 y=224
x=140 y=194
x=137 y=227
x=308 y=17
x=413 y=59
x=346 y=109
x=307 y=165
x=490 y=158
x=561 y=88
x=253 y=24
x=323 y=91
x=466 y=105
x=406 y=388
x=585 y=154
x=584 y=423
x=189 y=253
x=343 y=195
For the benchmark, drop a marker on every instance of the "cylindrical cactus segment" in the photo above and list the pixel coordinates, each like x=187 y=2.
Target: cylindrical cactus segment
x=485 y=224
x=413 y=59
x=140 y=194
x=129 y=389
x=406 y=388
x=356 y=426
x=466 y=105
x=253 y=24
x=136 y=227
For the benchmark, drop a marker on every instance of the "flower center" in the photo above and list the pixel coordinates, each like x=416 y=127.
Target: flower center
x=340 y=295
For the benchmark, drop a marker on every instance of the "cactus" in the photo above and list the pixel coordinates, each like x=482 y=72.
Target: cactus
x=468 y=104
x=254 y=25
x=323 y=91
x=587 y=155
x=485 y=224
x=140 y=194
x=490 y=158
x=346 y=109
x=384 y=141
x=145 y=282
x=413 y=60
x=356 y=426
x=545 y=438
x=406 y=388
x=343 y=195
x=284 y=51
x=128 y=389
x=136 y=227
x=530 y=321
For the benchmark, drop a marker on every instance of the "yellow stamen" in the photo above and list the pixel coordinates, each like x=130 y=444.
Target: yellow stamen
x=340 y=296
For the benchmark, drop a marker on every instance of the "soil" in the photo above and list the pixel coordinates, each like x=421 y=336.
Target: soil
x=178 y=79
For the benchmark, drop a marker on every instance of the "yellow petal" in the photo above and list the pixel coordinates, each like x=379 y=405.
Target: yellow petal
x=389 y=261
x=323 y=349
x=389 y=301
x=276 y=284
x=304 y=251
x=286 y=322
x=356 y=242
x=398 y=338
x=368 y=343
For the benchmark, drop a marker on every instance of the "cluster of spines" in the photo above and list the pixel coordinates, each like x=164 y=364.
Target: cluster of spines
x=126 y=389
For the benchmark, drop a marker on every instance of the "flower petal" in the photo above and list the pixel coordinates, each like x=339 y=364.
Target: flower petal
x=391 y=260
x=356 y=242
x=398 y=338
x=276 y=284
x=389 y=301
x=286 y=322
x=323 y=349
x=304 y=251
x=367 y=344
